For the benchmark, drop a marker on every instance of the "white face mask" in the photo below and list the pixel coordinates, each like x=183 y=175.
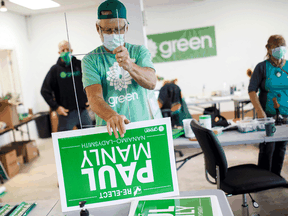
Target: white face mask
x=112 y=41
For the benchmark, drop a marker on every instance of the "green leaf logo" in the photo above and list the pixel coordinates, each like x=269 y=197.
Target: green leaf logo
x=117 y=79
x=63 y=75
x=152 y=46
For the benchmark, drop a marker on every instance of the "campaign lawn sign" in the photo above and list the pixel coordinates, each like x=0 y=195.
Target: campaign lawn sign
x=95 y=167
x=180 y=206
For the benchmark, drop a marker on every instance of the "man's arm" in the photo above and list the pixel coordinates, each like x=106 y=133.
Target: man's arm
x=47 y=91
x=104 y=111
x=144 y=76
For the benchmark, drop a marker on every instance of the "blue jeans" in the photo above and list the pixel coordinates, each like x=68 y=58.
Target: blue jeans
x=271 y=156
x=68 y=122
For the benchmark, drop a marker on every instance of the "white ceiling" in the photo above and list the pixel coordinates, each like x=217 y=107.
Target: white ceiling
x=77 y=4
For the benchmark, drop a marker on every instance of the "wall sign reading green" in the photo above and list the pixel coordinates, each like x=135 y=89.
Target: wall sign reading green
x=181 y=45
x=95 y=167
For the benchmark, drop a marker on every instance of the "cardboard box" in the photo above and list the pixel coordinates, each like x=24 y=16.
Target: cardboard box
x=28 y=149
x=8 y=158
x=31 y=151
x=10 y=147
x=8 y=114
x=20 y=159
x=13 y=169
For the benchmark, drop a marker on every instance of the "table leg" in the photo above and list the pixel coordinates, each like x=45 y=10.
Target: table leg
x=242 y=111
x=235 y=109
x=13 y=135
x=187 y=159
x=22 y=134
x=28 y=132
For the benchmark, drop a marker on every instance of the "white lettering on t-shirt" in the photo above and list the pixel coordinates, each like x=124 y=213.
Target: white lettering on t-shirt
x=122 y=98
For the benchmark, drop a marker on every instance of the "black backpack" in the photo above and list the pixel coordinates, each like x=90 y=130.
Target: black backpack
x=217 y=119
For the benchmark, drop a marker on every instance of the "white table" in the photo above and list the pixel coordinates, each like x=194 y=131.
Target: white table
x=211 y=100
x=239 y=104
x=236 y=138
x=227 y=138
x=123 y=209
x=281 y=134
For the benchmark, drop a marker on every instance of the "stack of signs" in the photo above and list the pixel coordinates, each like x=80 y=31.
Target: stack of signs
x=189 y=206
x=22 y=209
x=95 y=167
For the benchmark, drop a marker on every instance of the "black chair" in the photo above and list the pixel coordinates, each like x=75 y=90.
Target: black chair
x=168 y=113
x=241 y=179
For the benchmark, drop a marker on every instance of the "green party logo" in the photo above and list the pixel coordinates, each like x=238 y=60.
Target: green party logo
x=63 y=74
x=154 y=129
x=180 y=45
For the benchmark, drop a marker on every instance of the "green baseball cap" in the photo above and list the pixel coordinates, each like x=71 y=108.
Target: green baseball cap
x=113 y=6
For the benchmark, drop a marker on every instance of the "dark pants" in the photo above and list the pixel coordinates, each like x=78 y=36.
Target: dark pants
x=68 y=122
x=271 y=156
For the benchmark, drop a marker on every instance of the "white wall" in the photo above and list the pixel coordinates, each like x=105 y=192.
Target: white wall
x=14 y=37
x=48 y=30
x=242 y=28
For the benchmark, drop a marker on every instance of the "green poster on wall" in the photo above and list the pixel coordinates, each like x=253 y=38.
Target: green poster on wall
x=181 y=45
x=189 y=206
x=95 y=167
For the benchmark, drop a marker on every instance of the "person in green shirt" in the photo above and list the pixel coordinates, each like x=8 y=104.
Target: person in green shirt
x=118 y=76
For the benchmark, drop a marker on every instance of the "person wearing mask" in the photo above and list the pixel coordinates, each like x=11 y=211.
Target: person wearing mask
x=270 y=77
x=58 y=90
x=117 y=76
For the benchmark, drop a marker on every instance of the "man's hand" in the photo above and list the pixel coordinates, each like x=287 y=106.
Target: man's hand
x=123 y=58
x=117 y=122
x=87 y=105
x=62 y=111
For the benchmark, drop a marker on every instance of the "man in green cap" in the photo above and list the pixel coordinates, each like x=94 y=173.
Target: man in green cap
x=117 y=76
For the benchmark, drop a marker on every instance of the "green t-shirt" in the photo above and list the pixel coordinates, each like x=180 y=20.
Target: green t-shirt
x=101 y=67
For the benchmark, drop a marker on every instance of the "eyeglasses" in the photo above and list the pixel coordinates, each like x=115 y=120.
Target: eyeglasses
x=110 y=31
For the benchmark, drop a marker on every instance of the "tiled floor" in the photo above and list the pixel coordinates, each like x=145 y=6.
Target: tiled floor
x=38 y=179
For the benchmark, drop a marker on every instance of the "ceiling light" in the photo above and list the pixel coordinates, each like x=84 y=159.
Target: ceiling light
x=36 y=4
x=3 y=7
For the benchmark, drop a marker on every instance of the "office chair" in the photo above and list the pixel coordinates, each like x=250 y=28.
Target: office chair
x=168 y=113
x=241 y=179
